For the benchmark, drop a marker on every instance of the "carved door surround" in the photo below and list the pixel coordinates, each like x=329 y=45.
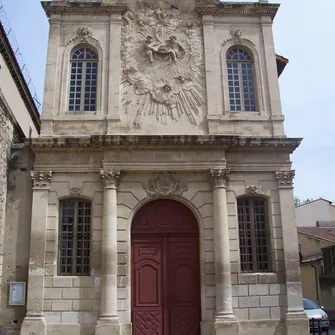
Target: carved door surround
x=165 y=270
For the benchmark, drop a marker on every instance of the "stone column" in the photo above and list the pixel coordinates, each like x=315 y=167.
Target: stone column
x=34 y=322
x=296 y=322
x=225 y=320
x=108 y=322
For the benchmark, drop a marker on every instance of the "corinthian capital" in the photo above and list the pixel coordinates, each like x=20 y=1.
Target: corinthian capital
x=218 y=177
x=285 y=178
x=41 y=179
x=110 y=178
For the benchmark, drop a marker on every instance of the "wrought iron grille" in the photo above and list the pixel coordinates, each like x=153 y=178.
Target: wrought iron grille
x=253 y=233
x=75 y=237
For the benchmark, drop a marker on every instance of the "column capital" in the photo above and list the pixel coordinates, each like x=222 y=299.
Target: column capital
x=218 y=177
x=41 y=179
x=285 y=178
x=110 y=178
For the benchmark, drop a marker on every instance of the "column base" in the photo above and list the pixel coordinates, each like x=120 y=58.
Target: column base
x=106 y=328
x=296 y=323
x=34 y=325
x=226 y=325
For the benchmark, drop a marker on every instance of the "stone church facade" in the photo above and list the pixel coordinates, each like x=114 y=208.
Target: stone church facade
x=162 y=183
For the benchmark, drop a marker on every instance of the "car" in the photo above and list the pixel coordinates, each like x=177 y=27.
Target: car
x=316 y=312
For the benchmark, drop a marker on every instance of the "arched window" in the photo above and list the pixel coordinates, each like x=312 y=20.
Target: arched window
x=83 y=80
x=241 y=81
x=253 y=232
x=74 y=237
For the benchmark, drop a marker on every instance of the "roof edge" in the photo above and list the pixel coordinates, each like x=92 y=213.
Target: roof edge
x=14 y=68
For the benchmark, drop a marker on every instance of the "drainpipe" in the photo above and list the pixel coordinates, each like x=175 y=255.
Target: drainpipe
x=316 y=283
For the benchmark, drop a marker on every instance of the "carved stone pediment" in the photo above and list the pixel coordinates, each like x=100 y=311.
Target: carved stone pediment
x=75 y=191
x=165 y=185
x=237 y=37
x=83 y=34
x=251 y=190
x=162 y=62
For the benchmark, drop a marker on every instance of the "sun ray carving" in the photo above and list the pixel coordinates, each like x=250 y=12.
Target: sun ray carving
x=162 y=62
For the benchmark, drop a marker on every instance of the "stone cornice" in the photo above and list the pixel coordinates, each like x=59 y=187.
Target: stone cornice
x=82 y=8
x=238 y=9
x=170 y=142
x=14 y=69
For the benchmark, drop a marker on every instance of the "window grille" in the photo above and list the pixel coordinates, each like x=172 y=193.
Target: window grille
x=75 y=237
x=241 y=81
x=253 y=234
x=83 y=80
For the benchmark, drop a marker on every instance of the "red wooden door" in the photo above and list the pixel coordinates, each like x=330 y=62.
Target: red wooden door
x=165 y=271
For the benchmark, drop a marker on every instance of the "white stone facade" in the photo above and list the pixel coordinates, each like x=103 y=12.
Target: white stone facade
x=154 y=137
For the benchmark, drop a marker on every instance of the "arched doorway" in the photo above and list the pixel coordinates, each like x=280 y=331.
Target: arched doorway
x=165 y=270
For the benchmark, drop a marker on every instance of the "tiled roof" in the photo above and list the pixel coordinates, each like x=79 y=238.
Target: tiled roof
x=311 y=259
x=319 y=233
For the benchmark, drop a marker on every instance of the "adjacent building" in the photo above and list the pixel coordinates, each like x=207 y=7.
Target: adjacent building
x=308 y=213
x=19 y=121
x=316 y=238
x=162 y=182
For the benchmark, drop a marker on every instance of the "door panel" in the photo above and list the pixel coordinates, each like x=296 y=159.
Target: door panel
x=147 y=286
x=184 y=288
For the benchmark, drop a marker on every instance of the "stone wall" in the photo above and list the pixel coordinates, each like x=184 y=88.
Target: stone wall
x=6 y=134
x=17 y=229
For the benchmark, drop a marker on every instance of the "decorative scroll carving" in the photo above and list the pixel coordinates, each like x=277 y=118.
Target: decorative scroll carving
x=285 y=178
x=219 y=177
x=83 y=34
x=251 y=190
x=237 y=37
x=41 y=179
x=165 y=184
x=75 y=191
x=110 y=178
x=162 y=61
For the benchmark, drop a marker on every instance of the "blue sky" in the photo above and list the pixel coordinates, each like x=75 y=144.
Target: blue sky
x=303 y=31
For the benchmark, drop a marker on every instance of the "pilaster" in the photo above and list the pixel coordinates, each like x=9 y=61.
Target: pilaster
x=108 y=322
x=296 y=320
x=113 y=114
x=210 y=65
x=34 y=322
x=225 y=322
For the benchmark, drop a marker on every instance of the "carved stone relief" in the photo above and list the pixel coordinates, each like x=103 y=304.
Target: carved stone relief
x=110 y=178
x=251 y=190
x=219 y=177
x=41 y=179
x=165 y=184
x=75 y=192
x=285 y=178
x=162 y=61
x=83 y=34
x=237 y=37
